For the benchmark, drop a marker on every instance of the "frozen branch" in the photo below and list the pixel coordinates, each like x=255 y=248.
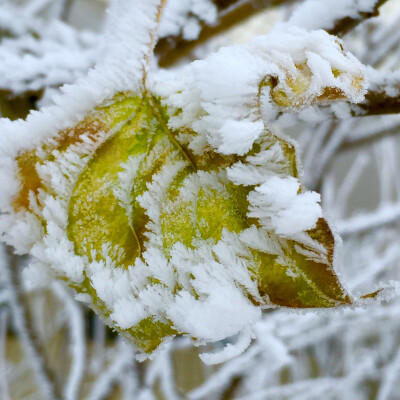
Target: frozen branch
x=123 y=358
x=167 y=376
x=335 y=16
x=348 y=23
x=229 y=12
x=291 y=390
x=221 y=379
x=377 y=103
x=26 y=334
x=334 y=139
x=77 y=342
x=130 y=382
x=349 y=182
x=383 y=96
x=386 y=215
x=4 y=391
x=66 y=6
x=366 y=135
x=390 y=376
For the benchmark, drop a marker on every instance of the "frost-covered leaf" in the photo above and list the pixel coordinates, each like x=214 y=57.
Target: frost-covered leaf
x=154 y=232
x=176 y=208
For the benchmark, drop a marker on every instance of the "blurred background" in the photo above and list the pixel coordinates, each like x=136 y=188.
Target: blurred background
x=47 y=339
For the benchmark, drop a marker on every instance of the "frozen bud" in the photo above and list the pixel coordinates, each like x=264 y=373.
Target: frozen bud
x=318 y=79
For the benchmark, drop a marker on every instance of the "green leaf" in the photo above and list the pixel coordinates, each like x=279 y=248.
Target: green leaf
x=108 y=222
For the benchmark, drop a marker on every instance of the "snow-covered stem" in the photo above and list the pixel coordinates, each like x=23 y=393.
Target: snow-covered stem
x=4 y=390
x=77 y=342
x=130 y=382
x=25 y=331
x=386 y=215
x=366 y=136
x=336 y=16
x=65 y=9
x=172 y=48
x=167 y=377
x=336 y=137
x=153 y=37
x=122 y=359
x=391 y=373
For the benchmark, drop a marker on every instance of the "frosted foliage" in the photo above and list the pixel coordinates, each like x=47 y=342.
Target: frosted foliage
x=173 y=203
x=228 y=102
x=277 y=212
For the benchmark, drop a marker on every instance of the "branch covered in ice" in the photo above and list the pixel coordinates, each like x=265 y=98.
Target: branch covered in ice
x=58 y=54
x=389 y=214
x=335 y=16
x=186 y=24
x=184 y=18
x=383 y=96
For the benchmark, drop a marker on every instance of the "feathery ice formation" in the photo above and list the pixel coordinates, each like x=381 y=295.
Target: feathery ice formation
x=179 y=210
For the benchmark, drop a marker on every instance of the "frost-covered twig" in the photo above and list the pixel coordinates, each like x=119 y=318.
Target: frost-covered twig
x=221 y=379
x=191 y=25
x=122 y=359
x=130 y=383
x=350 y=181
x=370 y=132
x=65 y=9
x=43 y=53
x=167 y=376
x=336 y=16
x=378 y=103
x=386 y=215
x=4 y=390
x=77 y=342
x=323 y=385
x=337 y=135
x=382 y=97
x=390 y=375
x=23 y=326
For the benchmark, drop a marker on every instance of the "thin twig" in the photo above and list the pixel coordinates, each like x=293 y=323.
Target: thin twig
x=106 y=379
x=172 y=48
x=360 y=224
x=346 y=24
x=77 y=342
x=230 y=12
x=4 y=392
x=389 y=378
x=376 y=103
x=352 y=142
x=335 y=138
x=130 y=383
x=25 y=331
x=66 y=6
x=349 y=182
